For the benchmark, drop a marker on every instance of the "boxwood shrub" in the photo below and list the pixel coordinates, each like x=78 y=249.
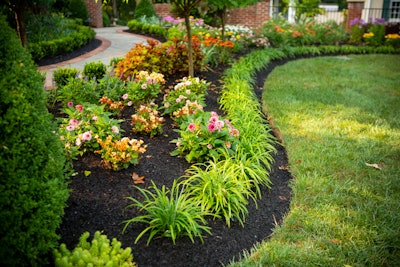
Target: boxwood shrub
x=33 y=168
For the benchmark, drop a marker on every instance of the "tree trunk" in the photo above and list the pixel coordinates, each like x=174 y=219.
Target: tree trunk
x=190 y=46
x=19 y=19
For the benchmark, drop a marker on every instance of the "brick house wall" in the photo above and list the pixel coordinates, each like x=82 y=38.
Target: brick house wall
x=163 y=10
x=252 y=16
x=95 y=13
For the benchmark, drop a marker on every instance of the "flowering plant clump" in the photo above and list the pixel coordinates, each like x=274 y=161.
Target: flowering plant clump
x=188 y=109
x=205 y=135
x=120 y=154
x=147 y=120
x=111 y=105
x=83 y=125
x=188 y=89
x=145 y=87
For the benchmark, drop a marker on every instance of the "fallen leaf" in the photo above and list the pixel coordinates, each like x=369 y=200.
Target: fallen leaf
x=374 y=165
x=87 y=173
x=284 y=167
x=282 y=198
x=137 y=179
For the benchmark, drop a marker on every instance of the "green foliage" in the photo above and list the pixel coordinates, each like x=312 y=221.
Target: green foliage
x=145 y=8
x=78 y=90
x=33 y=185
x=72 y=8
x=99 y=252
x=61 y=76
x=94 y=70
x=147 y=28
x=106 y=19
x=169 y=213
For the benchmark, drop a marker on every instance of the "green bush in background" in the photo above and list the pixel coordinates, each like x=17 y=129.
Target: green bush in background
x=33 y=188
x=145 y=9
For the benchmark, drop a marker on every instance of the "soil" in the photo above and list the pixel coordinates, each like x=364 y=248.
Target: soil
x=99 y=201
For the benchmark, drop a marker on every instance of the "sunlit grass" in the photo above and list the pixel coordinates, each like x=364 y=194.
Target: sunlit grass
x=336 y=116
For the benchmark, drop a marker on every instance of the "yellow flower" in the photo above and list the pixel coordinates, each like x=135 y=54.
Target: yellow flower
x=238 y=36
x=368 y=35
x=392 y=36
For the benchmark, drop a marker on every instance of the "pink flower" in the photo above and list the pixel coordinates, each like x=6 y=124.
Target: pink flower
x=78 y=141
x=94 y=118
x=214 y=114
x=86 y=136
x=144 y=86
x=79 y=107
x=129 y=103
x=115 y=129
x=192 y=127
x=211 y=127
x=73 y=122
x=70 y=104
x=70 y=127
x=125 y=97
x=178 y=100
x=213 y=119
x=167 y=105
x=219 y=125
x=234 y=132
x=209 y=146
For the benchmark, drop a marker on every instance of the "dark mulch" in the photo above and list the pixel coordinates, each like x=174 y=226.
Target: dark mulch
x=98 y=202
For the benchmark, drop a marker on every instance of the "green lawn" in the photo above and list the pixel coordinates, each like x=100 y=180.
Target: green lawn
x=340 y=122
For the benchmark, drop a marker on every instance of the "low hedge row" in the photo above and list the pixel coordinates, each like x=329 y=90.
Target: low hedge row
x=80 y=37
x=137 y=26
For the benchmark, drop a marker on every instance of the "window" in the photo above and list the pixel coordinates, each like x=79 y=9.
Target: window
x=394 y=11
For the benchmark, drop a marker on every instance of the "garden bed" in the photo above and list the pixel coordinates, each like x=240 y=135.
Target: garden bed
x=98 y=200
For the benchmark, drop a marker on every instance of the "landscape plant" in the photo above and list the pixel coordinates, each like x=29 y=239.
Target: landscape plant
x=99 y=252
x=120 y=154
x=218 y=187
x=205 y=135
x=169 y=213
x=33 y=169
x=84 y=124
x=61 y=76
x=147 y=120
x=94 y=70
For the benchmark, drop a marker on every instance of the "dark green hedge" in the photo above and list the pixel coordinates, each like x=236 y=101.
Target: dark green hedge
x=80 y=37
x=33 y=168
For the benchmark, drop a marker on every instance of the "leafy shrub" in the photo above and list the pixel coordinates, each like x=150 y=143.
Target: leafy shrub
x=33 y=187
x=78 y=91
x=94 y=70
x=167 y=58
x=144 y=88
x=100 y=252
x=72 y=8
x=62 y=76
x=144 y=8
x=156 y=29
x=169 y=213
x=106 y=19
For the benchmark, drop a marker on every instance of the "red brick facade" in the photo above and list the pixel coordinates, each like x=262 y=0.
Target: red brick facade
x=95 y=13
x=163 y=10
x=251 y=16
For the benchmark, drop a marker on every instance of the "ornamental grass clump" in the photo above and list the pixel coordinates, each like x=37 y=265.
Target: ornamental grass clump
x=168 y=213
x=220 y=189
x=120 y=154
x=205 y=135
x=147 y=120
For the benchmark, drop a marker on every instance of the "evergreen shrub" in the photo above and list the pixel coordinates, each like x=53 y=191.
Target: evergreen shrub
x=145 y=8
x=33 y=168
